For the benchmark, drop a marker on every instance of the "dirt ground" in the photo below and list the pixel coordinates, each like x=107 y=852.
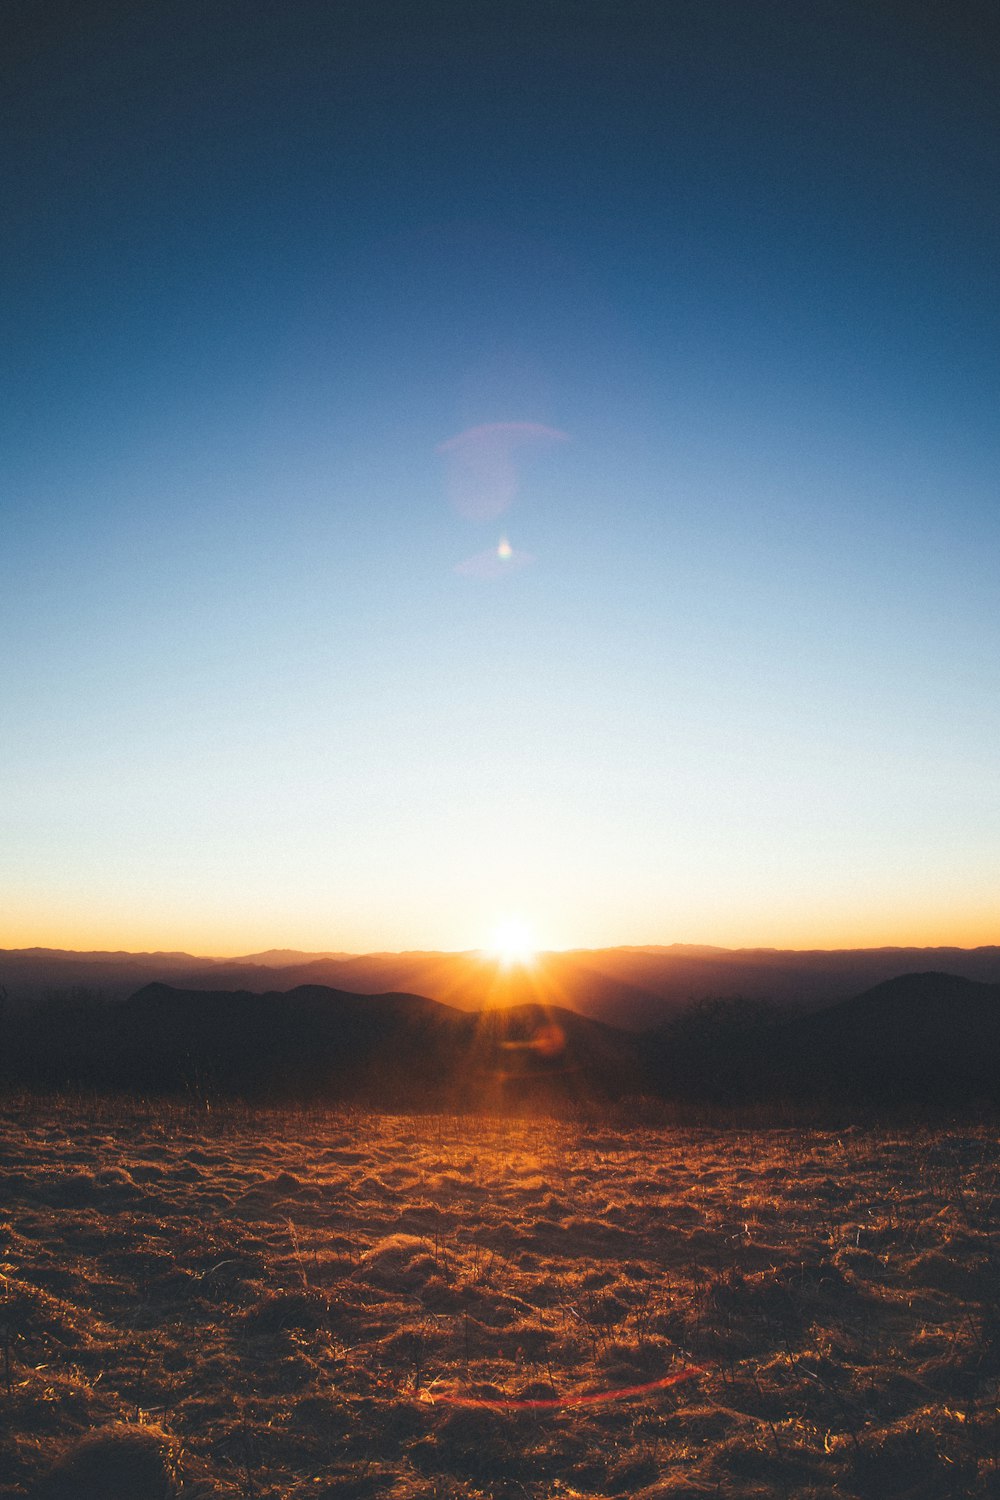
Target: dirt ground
x=207 y=1303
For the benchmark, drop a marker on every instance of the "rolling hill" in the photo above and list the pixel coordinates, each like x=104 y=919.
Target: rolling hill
x=928 y=1036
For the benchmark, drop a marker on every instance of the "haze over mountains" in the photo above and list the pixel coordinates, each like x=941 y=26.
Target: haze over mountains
x=634 y=988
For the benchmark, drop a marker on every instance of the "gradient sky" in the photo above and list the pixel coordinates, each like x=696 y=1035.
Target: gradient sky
x=472 y=460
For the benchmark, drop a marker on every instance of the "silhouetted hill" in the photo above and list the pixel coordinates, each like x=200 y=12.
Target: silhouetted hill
x=316 y=1042
x=310 y=1040
x=928 y=1036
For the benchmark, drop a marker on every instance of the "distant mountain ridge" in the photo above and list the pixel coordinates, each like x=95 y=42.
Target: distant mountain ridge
x=633 y=987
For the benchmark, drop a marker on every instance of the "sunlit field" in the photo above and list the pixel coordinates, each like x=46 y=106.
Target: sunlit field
x=222 y=1303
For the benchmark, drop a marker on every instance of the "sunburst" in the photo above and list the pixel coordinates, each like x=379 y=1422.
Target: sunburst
x=513 y=943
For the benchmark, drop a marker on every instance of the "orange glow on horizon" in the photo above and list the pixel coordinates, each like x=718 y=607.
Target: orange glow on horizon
x=218 y=935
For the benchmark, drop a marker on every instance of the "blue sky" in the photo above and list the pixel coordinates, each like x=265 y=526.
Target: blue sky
x=736 y=683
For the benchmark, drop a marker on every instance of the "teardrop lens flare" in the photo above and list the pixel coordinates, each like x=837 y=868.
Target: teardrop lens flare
x=495 y=562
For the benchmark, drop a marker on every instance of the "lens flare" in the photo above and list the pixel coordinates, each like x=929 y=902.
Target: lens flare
x=482 y=464
x=495 y=563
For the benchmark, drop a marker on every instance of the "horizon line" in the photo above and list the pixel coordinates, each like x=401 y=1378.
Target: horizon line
x=484 y=952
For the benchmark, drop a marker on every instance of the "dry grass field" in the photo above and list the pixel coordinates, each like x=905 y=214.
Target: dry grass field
x=220 y=1303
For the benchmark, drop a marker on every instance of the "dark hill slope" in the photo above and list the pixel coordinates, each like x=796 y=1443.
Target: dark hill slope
x=391 y=1049
x=931 y=1037
x=924 y=1038
x=302 y=1041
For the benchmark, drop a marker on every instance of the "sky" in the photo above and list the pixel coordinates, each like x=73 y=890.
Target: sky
x=469 y=463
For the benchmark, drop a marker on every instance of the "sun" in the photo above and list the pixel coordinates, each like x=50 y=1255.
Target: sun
x=513 y=943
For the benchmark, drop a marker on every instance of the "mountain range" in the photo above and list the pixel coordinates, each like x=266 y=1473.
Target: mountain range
x=636 y=988
x=923 y=1038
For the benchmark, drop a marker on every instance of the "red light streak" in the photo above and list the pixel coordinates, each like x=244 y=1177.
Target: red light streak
x=554 y=1403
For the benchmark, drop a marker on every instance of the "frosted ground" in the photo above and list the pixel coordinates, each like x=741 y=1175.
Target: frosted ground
x=213 y=1303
